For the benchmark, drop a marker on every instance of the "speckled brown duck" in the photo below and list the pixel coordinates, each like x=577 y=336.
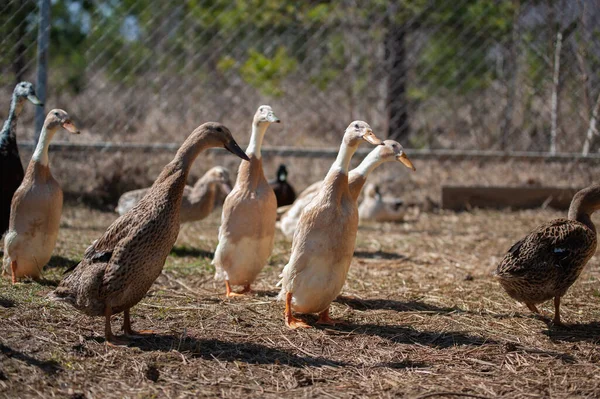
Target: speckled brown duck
x=545 y=263
x=11 y=169
x=118 y=269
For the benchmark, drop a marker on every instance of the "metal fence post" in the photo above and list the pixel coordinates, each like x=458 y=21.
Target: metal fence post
x=42 y=63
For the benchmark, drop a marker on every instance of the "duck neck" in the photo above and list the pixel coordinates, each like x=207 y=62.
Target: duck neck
x=342 y=161
x=581 y=210
x=40 y=155
x=358 y=176
x=256 y=139
x=10 y=125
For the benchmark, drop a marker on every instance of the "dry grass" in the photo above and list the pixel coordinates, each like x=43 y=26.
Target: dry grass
x=424 y=316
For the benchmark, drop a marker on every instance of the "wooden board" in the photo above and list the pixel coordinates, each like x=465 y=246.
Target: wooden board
x=467 y=197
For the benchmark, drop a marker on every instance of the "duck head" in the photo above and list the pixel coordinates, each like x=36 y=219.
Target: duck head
x=282 y=173
x=24 y=90
x=215 y=134
x=264 y=116
x=392 y=150
x=358 y=131
x=59 y=118
x=220 y=175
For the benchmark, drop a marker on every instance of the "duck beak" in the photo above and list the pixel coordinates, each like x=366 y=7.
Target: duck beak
x=404 y=159
x=272 y=118
x=370 y=137
x=34 y=100
x=68 y=125
x=235 y=149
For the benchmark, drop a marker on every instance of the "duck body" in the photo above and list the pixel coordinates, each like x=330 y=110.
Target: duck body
x=198 y=201
x=376 y=208
x=322 y=248
x=284 y=192
x=247 y=230
x=546 y=262
x=11 y=169
x=36 y=208
x=34 y=224
x=324 y=240
x=118 y=269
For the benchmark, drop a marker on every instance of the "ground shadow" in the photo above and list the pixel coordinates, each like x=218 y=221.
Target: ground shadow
x=182 y=250
x=7 y=303
x=398 y=306
x=247 y=352
x=47 y=366
x=589 y=332
x=378 y=255
x=409 y=335
x=61 y=262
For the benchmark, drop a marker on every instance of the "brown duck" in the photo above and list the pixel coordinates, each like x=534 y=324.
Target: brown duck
x=118 y=269
x=545 y=263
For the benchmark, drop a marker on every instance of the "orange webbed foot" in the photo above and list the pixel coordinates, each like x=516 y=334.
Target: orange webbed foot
x=326 y=320
x=294 y=323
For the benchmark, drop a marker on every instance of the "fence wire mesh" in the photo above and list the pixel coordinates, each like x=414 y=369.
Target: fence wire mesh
x=511 y=75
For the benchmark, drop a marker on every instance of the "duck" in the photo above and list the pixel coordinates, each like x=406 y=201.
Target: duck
x=324 y=241
x=247 y=231
x=118 y=268
x=284 y=192
x=11 y=169
x=391 y=150
x=547 y=261
x=36 y=208
x=198 y=200
x=376 y=208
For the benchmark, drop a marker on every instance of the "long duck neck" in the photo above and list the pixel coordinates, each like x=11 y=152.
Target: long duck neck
x=584 y=204
x=40 y=155
x=358 y=175
x=180 y=166
x=9 y=129
x=336 y=181
x=256 y=139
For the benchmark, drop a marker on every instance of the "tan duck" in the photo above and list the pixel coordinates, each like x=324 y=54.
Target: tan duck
x=197 y=202
x=545 y=263
x=390 y=151
x=248 y=221
x=118 y=269
x=374 y=207
x=36 y=208
x=324 y=240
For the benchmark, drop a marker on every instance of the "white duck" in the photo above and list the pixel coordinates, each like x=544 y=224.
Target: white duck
x=324 y=240
x=36 y=208
x=197 y=202
x=247 y=229
x=390 y=151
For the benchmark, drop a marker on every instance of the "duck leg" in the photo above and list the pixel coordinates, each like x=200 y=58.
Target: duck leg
x=325 y=319
x=13 y=269
x=556 y=321
x=229 y=293
x=533 y=308
x=129 y=332
x=111 y=340
x=290 y=320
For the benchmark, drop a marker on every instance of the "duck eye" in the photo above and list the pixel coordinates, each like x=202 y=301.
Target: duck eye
x=56 y=114
x=219 y=129
x=356 y=126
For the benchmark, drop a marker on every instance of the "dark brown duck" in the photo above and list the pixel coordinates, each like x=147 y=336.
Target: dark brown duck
x=545 y=263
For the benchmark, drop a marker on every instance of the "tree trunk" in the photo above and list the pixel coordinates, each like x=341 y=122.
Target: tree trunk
x=397 y=104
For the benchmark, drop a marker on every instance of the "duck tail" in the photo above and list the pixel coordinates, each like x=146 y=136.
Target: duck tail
x=61 y=294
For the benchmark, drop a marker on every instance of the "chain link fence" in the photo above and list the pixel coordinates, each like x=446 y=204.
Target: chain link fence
x=510 y=75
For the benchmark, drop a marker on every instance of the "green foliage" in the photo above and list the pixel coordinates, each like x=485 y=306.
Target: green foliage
x=266 y=73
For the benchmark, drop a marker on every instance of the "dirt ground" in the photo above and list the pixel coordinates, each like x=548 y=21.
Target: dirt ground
x=425 y=319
